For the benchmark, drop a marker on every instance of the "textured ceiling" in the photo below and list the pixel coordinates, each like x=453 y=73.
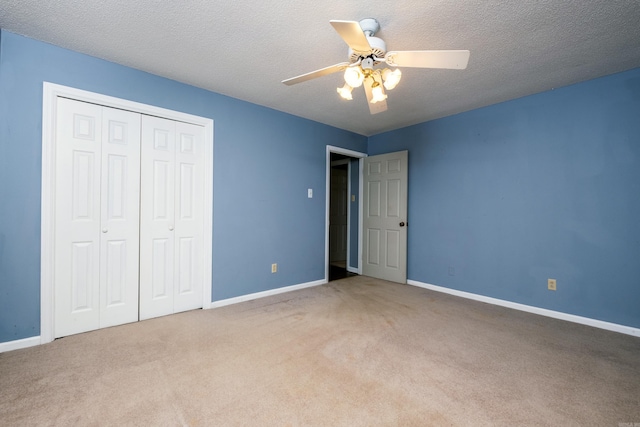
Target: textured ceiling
x=244 y=49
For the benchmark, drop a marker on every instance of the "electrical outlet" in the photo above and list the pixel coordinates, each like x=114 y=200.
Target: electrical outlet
x=274 y=268
x=551 y=284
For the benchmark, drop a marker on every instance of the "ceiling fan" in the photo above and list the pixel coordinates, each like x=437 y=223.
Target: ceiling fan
x=366 y=52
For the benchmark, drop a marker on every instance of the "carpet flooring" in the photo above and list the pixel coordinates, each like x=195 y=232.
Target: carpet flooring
x=354 y=352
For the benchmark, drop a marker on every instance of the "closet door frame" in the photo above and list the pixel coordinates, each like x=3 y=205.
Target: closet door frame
x=51 y=93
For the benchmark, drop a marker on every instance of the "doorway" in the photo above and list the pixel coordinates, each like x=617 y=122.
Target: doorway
x=343 y=244
x=339 y=216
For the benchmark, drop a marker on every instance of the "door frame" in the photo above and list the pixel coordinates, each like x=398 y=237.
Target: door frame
x=360 y=156
x=51 y=93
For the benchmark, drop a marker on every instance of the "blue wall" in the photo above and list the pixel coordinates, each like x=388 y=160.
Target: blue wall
x=548 y=186
x=264 y=161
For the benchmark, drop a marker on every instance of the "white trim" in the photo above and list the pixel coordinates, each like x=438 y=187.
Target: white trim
x=345 y=152
x=263 y=294
x=18 y=344
x=49 y=104
x=47 y=213
x=623 y=329
x=358 y=155
x=207 y=254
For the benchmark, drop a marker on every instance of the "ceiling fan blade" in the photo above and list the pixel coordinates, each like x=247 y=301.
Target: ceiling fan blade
x=352 y=34
x=379 y=106
x=451 y=59
x=314 y=74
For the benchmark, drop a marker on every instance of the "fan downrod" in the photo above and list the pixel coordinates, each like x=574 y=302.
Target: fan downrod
x=370 y=26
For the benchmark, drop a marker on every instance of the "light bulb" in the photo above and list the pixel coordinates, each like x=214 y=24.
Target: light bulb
x=345 y=92
x=391 y=78
x=353 y=76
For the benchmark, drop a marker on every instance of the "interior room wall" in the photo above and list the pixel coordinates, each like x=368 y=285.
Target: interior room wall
x=547 y=186
x=264 y=162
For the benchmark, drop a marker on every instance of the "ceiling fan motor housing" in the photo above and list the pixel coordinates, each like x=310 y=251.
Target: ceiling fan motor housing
x=378 y=48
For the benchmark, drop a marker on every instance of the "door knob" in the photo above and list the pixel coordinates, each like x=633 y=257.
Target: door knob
x=104 y=230
x=402 y=224
x=171 y=228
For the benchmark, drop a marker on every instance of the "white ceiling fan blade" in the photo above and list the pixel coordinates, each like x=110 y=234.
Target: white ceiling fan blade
x=379 y=106
x=451 y=59
x=314 y=74
x=352 y=34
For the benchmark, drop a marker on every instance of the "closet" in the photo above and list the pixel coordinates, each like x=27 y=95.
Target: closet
x=128 y=217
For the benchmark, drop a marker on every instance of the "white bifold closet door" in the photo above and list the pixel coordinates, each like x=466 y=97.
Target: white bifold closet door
x=129 y=217
x=171 y=217
x=96 y=217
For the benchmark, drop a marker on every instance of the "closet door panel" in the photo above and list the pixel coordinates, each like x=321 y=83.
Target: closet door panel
x=120 y=214
x=157 y=218
x=189 y=212
x=77 y=217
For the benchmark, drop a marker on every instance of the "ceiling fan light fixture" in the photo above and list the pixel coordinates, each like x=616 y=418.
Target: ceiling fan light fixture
x=377 y=93
x=345 y=92
x=353 y=76
x=367 y=51
x=391 y=78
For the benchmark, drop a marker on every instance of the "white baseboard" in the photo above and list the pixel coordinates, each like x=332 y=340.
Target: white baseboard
x=628 y=330
x=249 y=297
x=353 y=270
x=623 y=329
x=33 y=341
x=18 y=344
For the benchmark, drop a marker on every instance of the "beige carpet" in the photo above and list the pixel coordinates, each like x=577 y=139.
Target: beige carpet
x=356 y=352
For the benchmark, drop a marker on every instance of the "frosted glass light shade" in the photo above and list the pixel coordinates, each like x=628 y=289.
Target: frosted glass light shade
x=345 y=92
x=377 y=94
x=391 y=78
x=353 y=76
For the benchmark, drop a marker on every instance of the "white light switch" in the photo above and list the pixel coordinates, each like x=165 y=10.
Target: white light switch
x=310 y=193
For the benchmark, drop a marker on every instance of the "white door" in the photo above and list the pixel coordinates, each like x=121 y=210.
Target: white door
x=189 y=217
x=385 y=217
x=96 y=217
x=172 y=220
x=120 y=217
